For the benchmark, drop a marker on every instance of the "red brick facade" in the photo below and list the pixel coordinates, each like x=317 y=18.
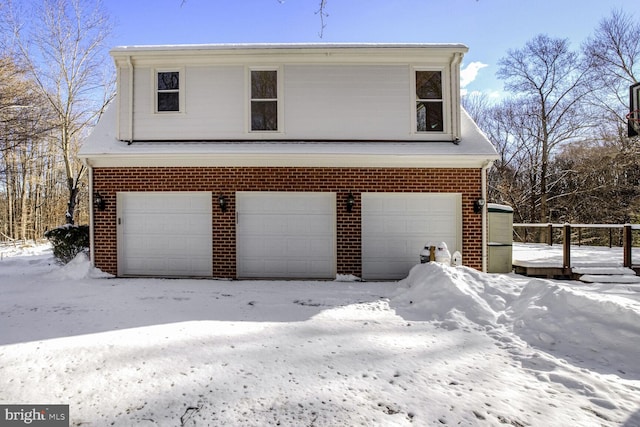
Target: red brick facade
x=228 y=180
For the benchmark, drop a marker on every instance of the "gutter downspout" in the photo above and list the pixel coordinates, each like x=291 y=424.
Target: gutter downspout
x=130 y=98
x=454 y=71
x=485 y=210
x=91 y=226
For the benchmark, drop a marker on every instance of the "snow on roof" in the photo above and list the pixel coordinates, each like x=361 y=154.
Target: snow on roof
x=103 y=143
x=256 y=46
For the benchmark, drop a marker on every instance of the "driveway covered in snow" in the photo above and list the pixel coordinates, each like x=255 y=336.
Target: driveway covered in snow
x=446 y=346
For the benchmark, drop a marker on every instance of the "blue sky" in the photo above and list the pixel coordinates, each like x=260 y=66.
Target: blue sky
x=488 y=27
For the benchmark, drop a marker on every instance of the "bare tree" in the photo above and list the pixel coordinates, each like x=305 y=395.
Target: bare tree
x=613 y=55
x=557 y=97
x=322 y=12
x=477 y=104
x=24 y=128
x=63 y=48
x=547 y=77
x=613 y=52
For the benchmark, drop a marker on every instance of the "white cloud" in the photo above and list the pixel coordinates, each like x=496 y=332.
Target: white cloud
x=470 y=72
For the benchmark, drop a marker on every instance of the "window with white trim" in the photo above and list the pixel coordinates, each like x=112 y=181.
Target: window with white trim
x=429 y=101
x=168 y=91
x=264 y=100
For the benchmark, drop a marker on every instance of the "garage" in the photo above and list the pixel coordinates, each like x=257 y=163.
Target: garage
x=396 y=227
x=286 y=235
x=165 y=234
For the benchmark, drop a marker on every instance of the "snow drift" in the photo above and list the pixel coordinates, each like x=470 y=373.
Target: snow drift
x=579 y=324
x=568 y=320
x=453 y=295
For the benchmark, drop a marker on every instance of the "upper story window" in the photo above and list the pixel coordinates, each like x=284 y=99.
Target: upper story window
x=168 y=91
x=264 y=100
x=429 y=101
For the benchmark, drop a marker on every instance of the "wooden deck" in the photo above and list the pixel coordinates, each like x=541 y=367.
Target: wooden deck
x=566 y=265
x=548 y=272
x=576 y=273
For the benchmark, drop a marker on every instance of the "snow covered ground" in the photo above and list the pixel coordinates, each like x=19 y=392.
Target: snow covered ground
x=446 y=346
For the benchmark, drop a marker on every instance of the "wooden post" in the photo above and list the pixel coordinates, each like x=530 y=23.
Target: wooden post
x=566 y=247
x=626 y=246
x=550 y=234
x=610 y=236
x=579 y=236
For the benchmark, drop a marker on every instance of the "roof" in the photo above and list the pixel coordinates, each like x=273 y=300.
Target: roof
x=284 y=46
x=103 y=149
x=326 y=52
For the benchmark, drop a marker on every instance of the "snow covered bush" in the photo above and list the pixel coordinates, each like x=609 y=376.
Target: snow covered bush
x=68 y=241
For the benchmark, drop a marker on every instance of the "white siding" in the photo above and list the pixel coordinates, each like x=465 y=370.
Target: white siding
x=347 y=102
x=318 y=101
x=214 y=105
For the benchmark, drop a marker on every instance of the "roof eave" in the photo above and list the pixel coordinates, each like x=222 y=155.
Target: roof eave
x=287 y=160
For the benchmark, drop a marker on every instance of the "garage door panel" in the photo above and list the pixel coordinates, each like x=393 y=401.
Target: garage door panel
x=298 y=267
x=390 y=270
x=196 y=246
x=418 y=205
x=395 y=249
x=304 y=248
x=165 y=233
x=287 y=234
x=396 y=226
x=309 y=225
x=162 y=223
x=441 y=227
x=174 y=202
x=258 y=248
x=420 y=223
x=296 y=246
x=387 y=249
x=318 y=268
x=283 y=202
x=318 y=248
x=255 y=224
x=138 y=222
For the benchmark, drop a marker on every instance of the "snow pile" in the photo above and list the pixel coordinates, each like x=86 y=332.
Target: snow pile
x=568 y=320
x=451 y=295
x=347 y=278
x=80 y=268
x=579 y=324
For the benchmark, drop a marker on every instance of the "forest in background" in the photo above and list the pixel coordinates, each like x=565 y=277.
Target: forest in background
x=560 y=130
x=56 y=78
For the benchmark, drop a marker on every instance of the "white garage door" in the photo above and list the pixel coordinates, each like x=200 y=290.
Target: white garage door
x=286 y=235
x=164 y=234
x=396 y=227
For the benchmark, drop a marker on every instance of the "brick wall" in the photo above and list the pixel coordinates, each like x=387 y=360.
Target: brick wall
x=220 y=180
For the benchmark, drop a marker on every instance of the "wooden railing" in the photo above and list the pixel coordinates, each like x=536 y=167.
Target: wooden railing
x=626 y=238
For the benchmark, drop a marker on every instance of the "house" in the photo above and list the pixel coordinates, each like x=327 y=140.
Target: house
x=285 y=161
